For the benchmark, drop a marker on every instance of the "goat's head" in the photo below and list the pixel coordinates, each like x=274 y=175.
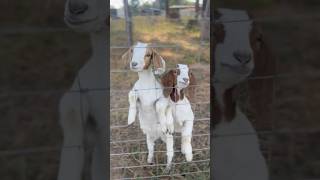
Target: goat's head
x=239 y=51
x=176 y=81
x=143 y=57
x=86 y=15
x=233 y=55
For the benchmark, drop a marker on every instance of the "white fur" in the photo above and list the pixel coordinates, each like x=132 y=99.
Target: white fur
x=81 y=142
x=236 y=150
x=143 y=99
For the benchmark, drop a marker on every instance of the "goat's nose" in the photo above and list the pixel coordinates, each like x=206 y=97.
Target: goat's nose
x=78 y=7
x=185 y=79
x=134 y=64
x=243 y=56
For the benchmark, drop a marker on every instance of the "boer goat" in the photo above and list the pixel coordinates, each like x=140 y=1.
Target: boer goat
x=83 y=113
x=144 y=95
x=175 y=83
x=238 y=53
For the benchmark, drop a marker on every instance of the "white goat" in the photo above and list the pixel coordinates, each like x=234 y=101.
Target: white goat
x=236 y=150
x=83 y=114
x=175 y=82
x=144 y=95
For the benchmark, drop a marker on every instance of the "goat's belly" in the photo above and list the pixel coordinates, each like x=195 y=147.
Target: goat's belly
x=148 y=119
x=182 y=112
x=238 y=157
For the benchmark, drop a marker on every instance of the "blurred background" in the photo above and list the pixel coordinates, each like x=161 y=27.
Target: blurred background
x=289 y=137
x=40 y=57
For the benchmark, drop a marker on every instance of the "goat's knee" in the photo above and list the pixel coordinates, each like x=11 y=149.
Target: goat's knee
x=132 y=96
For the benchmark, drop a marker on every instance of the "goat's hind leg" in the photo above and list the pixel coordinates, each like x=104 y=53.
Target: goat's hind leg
x=170 y=151
x=186 y=135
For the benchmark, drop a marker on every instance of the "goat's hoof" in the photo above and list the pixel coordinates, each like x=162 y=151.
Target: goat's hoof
x=167 y=169
x=171 y=129
x=150 y=161
x=189 y=157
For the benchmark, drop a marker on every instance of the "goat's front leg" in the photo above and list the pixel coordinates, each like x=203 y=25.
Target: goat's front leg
x=164 y=114
x=186 y=135
x=150 y=144
x=72 y=153
x=170 y=151
x=132 y=106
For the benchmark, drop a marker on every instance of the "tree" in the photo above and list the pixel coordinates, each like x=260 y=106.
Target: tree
x=167 y=8
x=134 y=6
x=197 y=8
x=128 y=21
x=205 y=24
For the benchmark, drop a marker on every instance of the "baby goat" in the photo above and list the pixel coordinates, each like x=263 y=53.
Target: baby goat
x=175 y=83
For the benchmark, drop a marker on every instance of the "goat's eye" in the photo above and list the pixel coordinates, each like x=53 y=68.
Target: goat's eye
x=148 y=55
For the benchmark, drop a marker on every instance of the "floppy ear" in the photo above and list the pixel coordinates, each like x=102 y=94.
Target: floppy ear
x=168 y=81
x=126 y=58
x=158 y=62
x=191 y=88
x=261 y=90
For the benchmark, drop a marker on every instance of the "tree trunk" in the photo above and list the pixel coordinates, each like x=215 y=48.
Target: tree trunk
x=204 y=3
x=128 y=21
x=205 y=23
x=197 y=9
x=167 y=8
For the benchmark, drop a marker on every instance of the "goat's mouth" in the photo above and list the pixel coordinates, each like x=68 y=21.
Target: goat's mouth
x=136 y=69
x=184 y=83
x=237 y=69
x=74 y=21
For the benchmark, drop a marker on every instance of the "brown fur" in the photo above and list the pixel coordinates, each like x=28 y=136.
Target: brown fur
x=260 y=91
x=152 y=57
x=169 y=81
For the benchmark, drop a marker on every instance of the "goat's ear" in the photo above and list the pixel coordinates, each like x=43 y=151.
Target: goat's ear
x=158 y=62
x=168 y=82
x=191 y=88
x=126 y=58
x=261 y=90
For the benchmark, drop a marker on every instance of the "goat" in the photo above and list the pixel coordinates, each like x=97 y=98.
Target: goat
x=175 y=82
x=83 y=114
x=144 y=95
x=235 y=146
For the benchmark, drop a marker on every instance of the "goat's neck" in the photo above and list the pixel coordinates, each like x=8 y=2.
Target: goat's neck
x=99 y=46
x=239 y=123
x=220 y=89
x=147 y=75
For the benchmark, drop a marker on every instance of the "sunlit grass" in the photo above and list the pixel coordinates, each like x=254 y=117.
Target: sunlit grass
x=160 y=31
